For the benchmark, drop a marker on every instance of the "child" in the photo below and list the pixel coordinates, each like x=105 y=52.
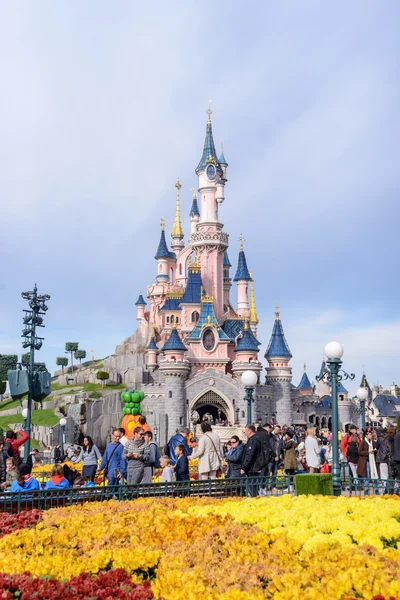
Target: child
x=57 y=480
x=84 y=482
x=167 y=473
x=182 y=465
x=24 y=481
x=11 y=473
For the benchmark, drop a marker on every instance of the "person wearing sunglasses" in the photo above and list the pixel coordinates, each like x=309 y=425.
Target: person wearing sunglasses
x=234 y=457
x=134 y=455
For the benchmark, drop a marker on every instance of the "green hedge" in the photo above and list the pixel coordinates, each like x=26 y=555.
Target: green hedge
x=314 y=483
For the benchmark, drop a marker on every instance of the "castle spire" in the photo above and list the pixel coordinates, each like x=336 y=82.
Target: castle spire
x=209 y=154
x=253 y=311
x=177 y=228
x=242 y=272
x=278 y=345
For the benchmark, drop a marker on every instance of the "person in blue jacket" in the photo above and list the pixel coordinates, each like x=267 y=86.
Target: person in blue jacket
x=57 y=480
x=178 y=438
x=182 y=464
x=24 y=481
x=112 y=460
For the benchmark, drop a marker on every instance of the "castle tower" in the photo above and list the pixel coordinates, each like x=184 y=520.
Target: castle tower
x=175 y=368
x=323 y=387
x=279 y=372
x=140 y=307
x=253 y=310
x=227 y=281
x=246 y=354
x=163 y=257
x=242 y=278
x=177 y=231
x=152 y=351
x=194 y=213
x=305 y=388
x=209 y=241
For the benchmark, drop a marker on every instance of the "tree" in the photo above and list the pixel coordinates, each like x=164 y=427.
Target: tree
x=8 y=362
x=25 y=359
x=71 y=347
x=62 y=361
x=80 y=355
x=103 y=376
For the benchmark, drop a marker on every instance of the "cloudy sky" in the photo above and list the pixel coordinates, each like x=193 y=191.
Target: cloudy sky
x=102 y=107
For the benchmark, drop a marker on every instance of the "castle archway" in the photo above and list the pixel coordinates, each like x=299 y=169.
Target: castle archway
x=214 y=402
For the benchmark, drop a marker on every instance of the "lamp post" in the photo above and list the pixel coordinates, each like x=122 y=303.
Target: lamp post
x=155 y=431
x=334 y=352
x=63 y=423
x=33 y=318
x=24 y=414
x=362 y=395
x=237 y=415
x=249 y=380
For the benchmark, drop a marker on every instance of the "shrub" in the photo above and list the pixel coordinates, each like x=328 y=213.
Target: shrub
x=314 y=483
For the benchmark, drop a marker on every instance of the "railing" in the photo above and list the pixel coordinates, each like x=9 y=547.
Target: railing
x=216 y=488
x=363 y=486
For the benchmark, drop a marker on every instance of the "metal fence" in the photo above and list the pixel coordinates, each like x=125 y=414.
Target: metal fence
x=216 y=488
x=363 y=486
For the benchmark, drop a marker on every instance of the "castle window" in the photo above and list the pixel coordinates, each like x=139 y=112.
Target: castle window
x=167 y=319
x=170 y=394
x=180 y=420
x=180 y=269
x=176 y=319
x=242 y=414
x=195 y=316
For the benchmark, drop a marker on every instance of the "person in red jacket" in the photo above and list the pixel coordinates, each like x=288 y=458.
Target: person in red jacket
x=346 y=439
x=13 y=443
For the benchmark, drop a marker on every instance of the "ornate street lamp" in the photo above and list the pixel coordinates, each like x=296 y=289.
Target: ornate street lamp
x=24 y=414
x=362 y=395
x=249 y=380
x=237 y=415
x=334 y=374
x=63 y=423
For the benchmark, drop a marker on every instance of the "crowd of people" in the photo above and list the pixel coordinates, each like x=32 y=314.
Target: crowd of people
x=269 y=449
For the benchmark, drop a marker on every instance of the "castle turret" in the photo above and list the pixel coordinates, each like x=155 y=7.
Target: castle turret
x=253 y=310
x=323 y=388
x=163 y=257
x=242 y=278
x=194 y=213
x=227 y=281
x=246 y=354
x=177 y=231
x=152 y=351
x=279 y=372
x=223 y=162
x=305 y=388
x=175 y=368
x=140 y=306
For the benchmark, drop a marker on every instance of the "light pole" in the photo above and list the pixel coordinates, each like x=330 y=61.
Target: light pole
x=362 y=395
x=24 y=414
x=63 y=423
x=237 y=415
x=249 y=380
x=33 y=318
x=334 y=352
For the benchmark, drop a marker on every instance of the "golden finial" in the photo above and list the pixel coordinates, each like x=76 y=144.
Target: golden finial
x=209 y=111
x=222 y=148
x=92 y=351
x=173 y=322
x=253 y=310
x=194 y=263
x=276 y=311
x=241 y=241
x=305 y=367
x=177 y=228
x=162 y=221
x=246 y=325
x=194 y=190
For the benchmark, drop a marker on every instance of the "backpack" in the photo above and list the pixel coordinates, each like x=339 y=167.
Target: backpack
x=165 y=451
x=158 y=456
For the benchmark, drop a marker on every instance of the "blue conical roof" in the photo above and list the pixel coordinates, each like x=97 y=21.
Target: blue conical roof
x=194 y=284
x=227 y=262
x=278 y=345
x=304 y=383
x=247 y=342
x=152 y=345
x=242 y=272
x=341 y=389
x=209 y=154
x=195 y=209
x=174 y=342
x=162 y=250
x=140 y=301
x=222 y=160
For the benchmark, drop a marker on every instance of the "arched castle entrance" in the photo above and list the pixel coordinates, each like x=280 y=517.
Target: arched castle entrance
x=214 y=402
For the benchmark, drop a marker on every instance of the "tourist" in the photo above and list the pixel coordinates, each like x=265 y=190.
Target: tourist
x=276 y=447
x=253 y=457
x=3 y=458
x=12 y=473
x=143 y=423
x=312 y=451
x=56 y=454
x=13 y=443
x=209 y=452
x=167 y=473
x=90 y=454
x=33 y=459
x=181 y=467
x=151 y=456
x=178 y=438
x=24 y=481
x=123 y=439
x=134 y=455
x=234 y=457
x=352 y=454
x=57 y=479
x=385 y=453
x=396 y=455
x=346 y=438
x=76 y=456
x=113 y=463
x=366 y=466
x=289 y=454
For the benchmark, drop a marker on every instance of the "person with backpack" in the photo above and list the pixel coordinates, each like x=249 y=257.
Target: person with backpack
x=133 y=453
x=178 y=438
x=253 y=457
x=113 y=462
x=151 y=457
x=13 y=444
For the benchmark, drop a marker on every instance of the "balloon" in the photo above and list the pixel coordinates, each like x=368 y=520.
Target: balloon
x=141 y=394
x=135 y=411
x=126 y=396
x=135 y=397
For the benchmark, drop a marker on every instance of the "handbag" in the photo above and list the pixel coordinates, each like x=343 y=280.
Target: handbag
x=219 y=470
x=325 y=468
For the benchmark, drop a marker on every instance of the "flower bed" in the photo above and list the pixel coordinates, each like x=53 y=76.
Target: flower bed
x=233 y=549
x=27 y=518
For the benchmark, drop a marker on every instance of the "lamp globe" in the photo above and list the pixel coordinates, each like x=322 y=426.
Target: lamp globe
x=362 y=393
x=334 y=350
x=24 y=413
x=63 y=422
x=249 y=378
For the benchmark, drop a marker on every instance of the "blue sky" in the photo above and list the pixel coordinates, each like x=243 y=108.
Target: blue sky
x=102 y=107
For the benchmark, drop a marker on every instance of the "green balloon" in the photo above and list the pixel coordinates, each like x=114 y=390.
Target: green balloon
x=141 y=394
x=124 y=410
x=135 y=397
x=126 y=396
x=135 y=411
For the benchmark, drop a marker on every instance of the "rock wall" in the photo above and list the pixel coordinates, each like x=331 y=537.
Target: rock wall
x=101 y=416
